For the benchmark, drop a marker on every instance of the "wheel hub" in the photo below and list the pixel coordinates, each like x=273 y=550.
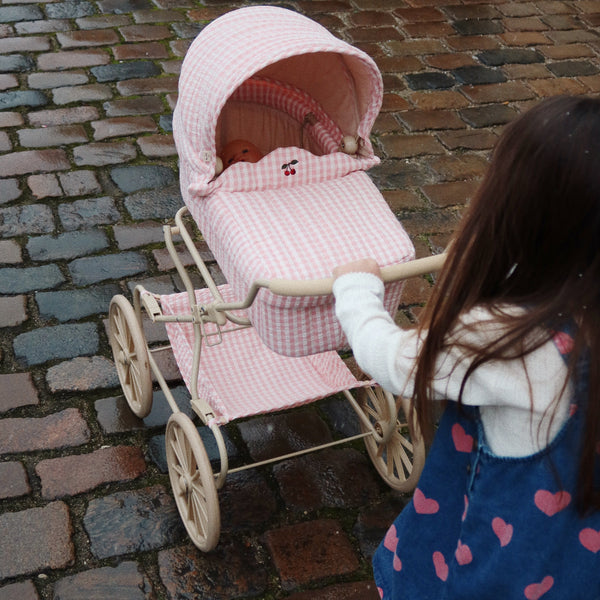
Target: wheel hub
x=185 y=482
x=124 y=358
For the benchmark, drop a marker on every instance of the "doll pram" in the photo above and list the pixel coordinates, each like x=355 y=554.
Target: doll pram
x=267 y=340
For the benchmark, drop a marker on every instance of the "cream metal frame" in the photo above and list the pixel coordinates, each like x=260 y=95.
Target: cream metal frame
x=398 y=460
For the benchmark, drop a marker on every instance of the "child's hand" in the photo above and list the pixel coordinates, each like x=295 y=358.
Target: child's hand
x=364 y=265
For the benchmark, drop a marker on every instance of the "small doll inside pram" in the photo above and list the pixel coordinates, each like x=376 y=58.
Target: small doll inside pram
x=268 y=340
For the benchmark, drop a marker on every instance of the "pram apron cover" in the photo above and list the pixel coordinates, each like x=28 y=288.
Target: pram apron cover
x=297 y=212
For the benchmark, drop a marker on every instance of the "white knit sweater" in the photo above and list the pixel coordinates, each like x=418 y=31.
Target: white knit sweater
x=517 y=398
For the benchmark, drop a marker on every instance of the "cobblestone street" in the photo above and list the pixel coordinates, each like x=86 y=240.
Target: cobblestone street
x=88 y=176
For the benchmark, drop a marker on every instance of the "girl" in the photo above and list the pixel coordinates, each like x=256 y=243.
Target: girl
x=508 y=505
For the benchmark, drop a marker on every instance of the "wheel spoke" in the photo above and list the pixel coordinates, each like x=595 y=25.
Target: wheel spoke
x=399 y=459
x=176 y=445
x=193 y=482
x=406 y=460
x=406 y=442
x=371 y=412
x=136 y=379
x=191 y=459
x=394 y=464
x=117 y=324
x=199 y=503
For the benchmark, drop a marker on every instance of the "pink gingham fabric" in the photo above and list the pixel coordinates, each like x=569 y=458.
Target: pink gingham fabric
x=293 y=102
x=294 y=214
x=240 y=376
x=275 y=43
x=300 y=231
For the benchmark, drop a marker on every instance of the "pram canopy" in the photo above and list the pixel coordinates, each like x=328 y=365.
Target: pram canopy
x=289 y=51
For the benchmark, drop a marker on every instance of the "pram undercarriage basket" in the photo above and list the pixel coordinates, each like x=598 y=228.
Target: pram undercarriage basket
x=267 y=340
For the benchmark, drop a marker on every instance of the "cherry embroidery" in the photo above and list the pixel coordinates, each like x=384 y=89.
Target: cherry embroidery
x=288 y=168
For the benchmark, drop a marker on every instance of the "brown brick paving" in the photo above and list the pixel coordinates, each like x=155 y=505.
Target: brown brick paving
x=311 y=551
x=455 y=71
x=57 y=430
x=35 y=539
x=14 y=480
x=71 y=475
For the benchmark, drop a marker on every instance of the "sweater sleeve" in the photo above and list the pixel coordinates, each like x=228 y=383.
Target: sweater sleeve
x=388 y=353
x=382 y=349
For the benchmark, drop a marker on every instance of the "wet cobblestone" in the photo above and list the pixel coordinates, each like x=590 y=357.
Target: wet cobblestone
x=135 y=178
x=72 y=305
x=62 y=429
x=62 y=341
x=35 y=539
x=67 y=245
x=135 y=521
x=12 y=311
x=18 y=281
x=86 y=271
x=72 y=475
x=14 y=480
x=125 y=581
x=88 y=177
x=81 y=374
x=32 y=219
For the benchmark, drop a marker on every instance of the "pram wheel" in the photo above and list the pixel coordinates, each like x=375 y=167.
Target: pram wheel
x=130 y=354
x=193 y=482
x=397 y=454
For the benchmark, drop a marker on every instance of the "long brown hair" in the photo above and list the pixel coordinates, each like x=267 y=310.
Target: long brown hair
x=530 y=237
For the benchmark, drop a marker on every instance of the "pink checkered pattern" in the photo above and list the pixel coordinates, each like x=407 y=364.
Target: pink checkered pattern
x=295 y=103
x=300 y=231
x=241 y=377
x=258 y=221
x=275 y=43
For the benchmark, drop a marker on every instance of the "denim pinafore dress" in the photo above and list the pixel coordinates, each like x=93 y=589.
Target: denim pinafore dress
x=485 y=527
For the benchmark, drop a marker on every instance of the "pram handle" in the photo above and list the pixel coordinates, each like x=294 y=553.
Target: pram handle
x=323 y=287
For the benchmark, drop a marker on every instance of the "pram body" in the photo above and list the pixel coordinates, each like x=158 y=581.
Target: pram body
x=268 y=339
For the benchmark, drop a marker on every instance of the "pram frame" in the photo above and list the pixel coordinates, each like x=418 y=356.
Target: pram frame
x=377 y=413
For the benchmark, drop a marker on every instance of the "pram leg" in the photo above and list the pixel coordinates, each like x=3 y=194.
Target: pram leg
x=193 y=482
x=396 y=447
x=131 y=355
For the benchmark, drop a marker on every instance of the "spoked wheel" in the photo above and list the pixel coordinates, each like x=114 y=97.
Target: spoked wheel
x=130 y=353
x=193 y=482
x=399 y=459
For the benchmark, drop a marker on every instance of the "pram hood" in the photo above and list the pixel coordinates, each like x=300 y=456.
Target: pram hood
x=272 y=44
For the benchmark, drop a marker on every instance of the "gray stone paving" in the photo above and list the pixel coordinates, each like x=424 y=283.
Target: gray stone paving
x=88 y=177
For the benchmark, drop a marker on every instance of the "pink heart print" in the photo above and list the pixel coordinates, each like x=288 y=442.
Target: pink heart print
x=441 y=568
x=463 y=554
x=550 y=503
x=423 y=505
x=391 y=539
x=536 y=590
x=590 y=539
x=564 y=342
x=391 y=543
x=463 y=442
x=503 y=530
